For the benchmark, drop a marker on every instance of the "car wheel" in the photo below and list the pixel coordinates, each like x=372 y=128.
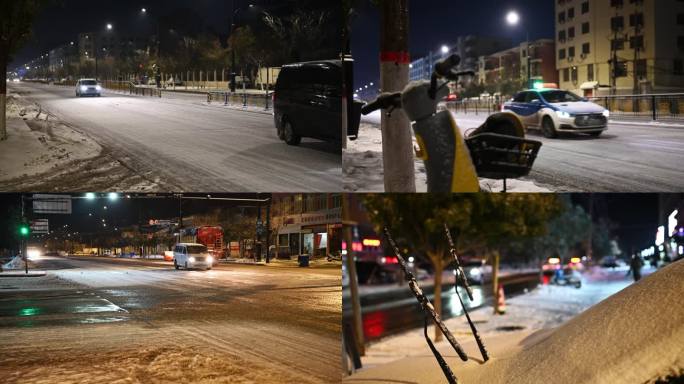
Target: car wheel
x=186 y=265
x=596 y=134
x=175 y=264
x=291 y=138
x=279 y=130
x=548 y=128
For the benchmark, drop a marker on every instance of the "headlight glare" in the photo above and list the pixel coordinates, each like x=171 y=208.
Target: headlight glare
x=606 y=113
x=191 y=259
x=563 y=114
x=84 y=88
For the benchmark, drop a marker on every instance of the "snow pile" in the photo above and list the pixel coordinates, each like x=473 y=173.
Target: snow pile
x=15 y=263
x=39 y=143
x=634 y=336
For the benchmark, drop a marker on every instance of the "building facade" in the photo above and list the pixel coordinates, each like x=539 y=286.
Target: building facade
x=469 y=48
x=307 y=224
x=511 y=64
x=620 y=46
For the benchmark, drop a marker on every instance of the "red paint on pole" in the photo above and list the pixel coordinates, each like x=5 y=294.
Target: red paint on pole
x=396 y=57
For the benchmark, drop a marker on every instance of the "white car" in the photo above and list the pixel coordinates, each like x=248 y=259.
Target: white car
x=554 y=111
x=88 y=87
x=191 y=255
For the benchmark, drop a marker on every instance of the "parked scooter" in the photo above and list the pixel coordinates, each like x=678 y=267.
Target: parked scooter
x=497 y=149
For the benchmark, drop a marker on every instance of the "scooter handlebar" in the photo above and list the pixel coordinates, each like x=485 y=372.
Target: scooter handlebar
x=384 y=101
x=444 y=67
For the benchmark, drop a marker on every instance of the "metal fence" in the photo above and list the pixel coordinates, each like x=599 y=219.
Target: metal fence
x=655 y=107
x=644 y=107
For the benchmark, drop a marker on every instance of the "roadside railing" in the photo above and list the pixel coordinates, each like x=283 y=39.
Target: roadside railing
x=668 y=106
x=650 y=107
x=244 y=99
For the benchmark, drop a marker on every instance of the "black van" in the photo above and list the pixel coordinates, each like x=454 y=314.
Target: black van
x=307 y=101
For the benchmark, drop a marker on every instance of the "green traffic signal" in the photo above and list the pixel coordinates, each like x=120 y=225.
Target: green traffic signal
x=24 y=230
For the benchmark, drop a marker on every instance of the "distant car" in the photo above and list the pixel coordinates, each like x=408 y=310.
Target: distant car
x=307 y=101
x=173 y=82
x=88 y=87
x=191 y=255
x=476 y=270
x=553 y=111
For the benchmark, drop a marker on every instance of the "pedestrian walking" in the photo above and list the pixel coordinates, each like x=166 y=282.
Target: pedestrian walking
x=635 y=267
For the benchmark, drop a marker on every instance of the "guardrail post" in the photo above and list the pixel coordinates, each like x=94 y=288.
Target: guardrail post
x=225 y=95
x=653 y=107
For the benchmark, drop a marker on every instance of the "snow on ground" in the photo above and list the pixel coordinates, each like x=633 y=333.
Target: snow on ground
x=363 y=168
x=38 y=142
x=15 y=263
x=43 y=153
x=634 y=336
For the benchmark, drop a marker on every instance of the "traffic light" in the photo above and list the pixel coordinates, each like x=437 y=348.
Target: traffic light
x=24 y=230
x=538 y=84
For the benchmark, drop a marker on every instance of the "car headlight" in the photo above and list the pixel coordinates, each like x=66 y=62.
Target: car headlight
x=563 y=114
x=210 y=259
x=191 y=259
x=606 y=113
x=98 y=88
x=475 y=272
x=84 y=88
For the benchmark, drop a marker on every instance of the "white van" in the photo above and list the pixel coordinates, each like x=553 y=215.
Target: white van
x=191 y=255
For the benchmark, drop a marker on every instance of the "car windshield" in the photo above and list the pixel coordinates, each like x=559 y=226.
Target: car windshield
x=560 y=97
x=196 y=248
x=88 y=82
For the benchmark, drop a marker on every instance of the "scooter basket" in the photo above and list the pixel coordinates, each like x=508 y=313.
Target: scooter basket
x=498 y=156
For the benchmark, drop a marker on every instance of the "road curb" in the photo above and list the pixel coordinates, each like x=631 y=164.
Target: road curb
x=22 y=274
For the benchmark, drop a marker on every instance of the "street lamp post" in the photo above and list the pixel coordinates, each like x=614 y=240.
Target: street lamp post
x=233 y=74
x=513 y=18
x=109 y=27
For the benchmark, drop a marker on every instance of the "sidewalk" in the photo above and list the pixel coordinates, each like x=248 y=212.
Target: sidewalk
x=363 y=168
x=38 y=143
x=319 y=263
x=543 y=308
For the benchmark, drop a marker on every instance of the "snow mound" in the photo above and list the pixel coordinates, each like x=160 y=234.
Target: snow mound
x=635 y=336
x=15 y=263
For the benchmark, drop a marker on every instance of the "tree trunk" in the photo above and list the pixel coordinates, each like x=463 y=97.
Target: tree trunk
x=3 y=102
x=495 y=281
x=437 y=300
x=397 y=141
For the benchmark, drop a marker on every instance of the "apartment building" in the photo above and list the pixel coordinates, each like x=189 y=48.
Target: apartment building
x=511 y=64
x=620 y=46
x=469 y=48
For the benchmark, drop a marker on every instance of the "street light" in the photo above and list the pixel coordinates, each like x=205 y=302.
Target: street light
x=90 y=196
x=233 y=74
x=113 y=196
x=445 y=49
x=109 y=26
x=144 y=10
x=513 y=18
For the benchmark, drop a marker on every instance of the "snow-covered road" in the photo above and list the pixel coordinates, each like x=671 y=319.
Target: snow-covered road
x=629 y=157
x=189 y=145
x=89 y=321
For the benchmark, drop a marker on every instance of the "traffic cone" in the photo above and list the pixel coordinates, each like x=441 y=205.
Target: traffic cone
x=501 y=301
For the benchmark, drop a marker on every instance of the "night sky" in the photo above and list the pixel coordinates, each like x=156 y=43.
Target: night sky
x=436 y=22
x=636 y=216
x=61 y=23
x=126 y=212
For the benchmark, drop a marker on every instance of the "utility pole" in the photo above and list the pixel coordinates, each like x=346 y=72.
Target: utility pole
x=268 y=230
x=350 y=262
x=590 y=248
x=397 y=140
x=347 y=73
